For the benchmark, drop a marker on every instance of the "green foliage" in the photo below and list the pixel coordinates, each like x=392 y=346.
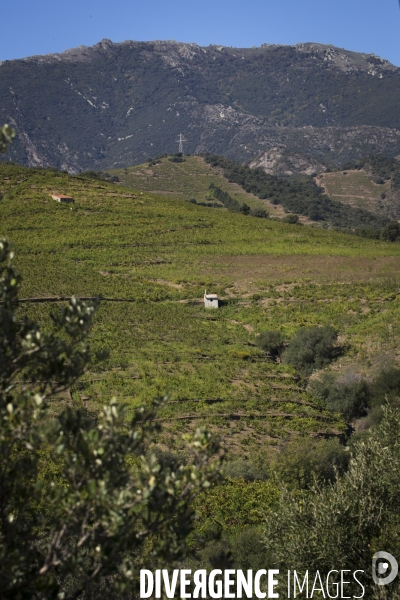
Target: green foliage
x=243 y=469
x=7 y=134
x=234 y=504
x=92 y=174
x=248 y=549
x=391 y=232
x=261 y=213
x=298 y=195
x=227 y=200
x=176 y=158
x=381 y=168
x=84 y=503
x=386 y=387
x=343 y=524
x=348 y=394
x=190 y=179
x=270 y=341
x=368 y=232
x=304 y=459
x=311 y=348
x=243 y=550
x=292 y=219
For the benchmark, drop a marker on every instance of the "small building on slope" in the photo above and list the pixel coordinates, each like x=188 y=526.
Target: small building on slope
x=210 y=300
x=62 y=198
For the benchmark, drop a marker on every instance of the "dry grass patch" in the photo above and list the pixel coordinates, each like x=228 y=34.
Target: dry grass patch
x=248 y=271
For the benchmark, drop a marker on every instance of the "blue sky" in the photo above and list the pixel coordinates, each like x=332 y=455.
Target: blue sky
x=42 y=26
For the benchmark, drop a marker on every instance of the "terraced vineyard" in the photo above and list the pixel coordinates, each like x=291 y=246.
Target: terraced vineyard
x=186 y=180
x=151 y=255
x=354 y=188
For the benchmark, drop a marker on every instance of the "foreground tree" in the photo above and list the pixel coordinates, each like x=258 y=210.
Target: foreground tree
x=342 y=525
x=83 y=502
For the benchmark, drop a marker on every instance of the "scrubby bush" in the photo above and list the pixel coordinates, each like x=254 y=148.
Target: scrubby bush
x=260 y=213
x=304 y=459
x=292 y=219
x=299 y=195
x=271 y=342
x=311 y=348
x=248 y=550
x=91 y=174
x=243 y=469
x=391 y=232
x=348 y=394
x=177 y=158
x=386 y=388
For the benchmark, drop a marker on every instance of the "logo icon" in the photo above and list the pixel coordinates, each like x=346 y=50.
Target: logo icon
x=380 y=565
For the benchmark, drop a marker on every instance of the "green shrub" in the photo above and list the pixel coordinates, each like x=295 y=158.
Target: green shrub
x=386 y=388
x=234 y=504
x=391 y=232
x=347 y=394
x=304 y=459
x=177 y=158
x=271 y=342
x=292 y=219
x=260 y=213
x=244 y=469
x=248 y=550
x=311 y=348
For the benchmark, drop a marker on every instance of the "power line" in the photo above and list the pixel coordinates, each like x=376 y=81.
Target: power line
x=180 y=141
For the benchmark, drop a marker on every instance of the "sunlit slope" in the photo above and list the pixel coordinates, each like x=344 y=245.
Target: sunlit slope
x=353 y=187
x=152 y=256
x=187 y=180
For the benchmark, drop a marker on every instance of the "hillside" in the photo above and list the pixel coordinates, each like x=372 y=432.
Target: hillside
x=151 y=256
x=372 y=183
x=191 y=179
x=188 y=180
x=114 y=105
x=354 y=188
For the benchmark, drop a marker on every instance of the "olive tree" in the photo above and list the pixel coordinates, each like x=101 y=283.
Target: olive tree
x=341 y=525
x=311 y=348
x=83 y=500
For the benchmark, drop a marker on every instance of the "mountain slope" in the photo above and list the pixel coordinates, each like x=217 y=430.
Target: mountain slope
x=150 y=257
x=116 y=104
x=191 y=180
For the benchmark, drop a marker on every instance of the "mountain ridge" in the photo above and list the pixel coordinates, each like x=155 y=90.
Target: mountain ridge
x=114 y=104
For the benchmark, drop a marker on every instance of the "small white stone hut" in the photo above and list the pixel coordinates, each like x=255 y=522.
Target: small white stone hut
x=62 y=198
x=210 y=300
